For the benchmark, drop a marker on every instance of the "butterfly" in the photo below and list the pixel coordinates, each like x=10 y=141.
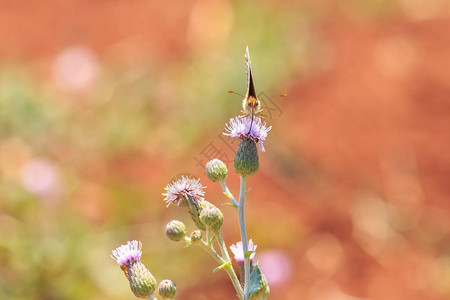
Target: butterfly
x=251 y=105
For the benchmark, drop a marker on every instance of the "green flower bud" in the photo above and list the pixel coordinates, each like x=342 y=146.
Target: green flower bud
x=167 y=289
x=212 y=216
x=216 y=170
x=195 y=208
x=246 y=161
x=196 y=235
x=175 y=230
x=142 y=282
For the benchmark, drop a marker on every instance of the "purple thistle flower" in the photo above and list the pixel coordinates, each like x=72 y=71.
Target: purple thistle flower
x=238 y=251
x=244 y=127
x=184 y=188
x=127 y=255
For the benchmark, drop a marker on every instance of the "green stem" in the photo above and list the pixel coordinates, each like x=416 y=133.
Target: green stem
x=208 y=249
x=228 y=267
x=152 y=297
x=223 y=247
x=226 y=190
x=244 y=237
x=208 y=235
x=234 y=279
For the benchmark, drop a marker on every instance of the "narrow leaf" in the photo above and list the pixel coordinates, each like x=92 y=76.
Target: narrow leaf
x=248 y=253
x=228 y=195
x=221 y=267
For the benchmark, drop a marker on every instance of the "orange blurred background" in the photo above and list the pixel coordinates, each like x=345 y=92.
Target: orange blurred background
x=103 y=102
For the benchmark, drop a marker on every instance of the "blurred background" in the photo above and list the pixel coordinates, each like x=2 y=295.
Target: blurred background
x=102 y=103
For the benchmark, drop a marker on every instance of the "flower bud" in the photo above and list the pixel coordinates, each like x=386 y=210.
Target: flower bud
x=246 y=161
x=216 y=170
x=196 y=235
x=175 y=230
x=212 y=216
x=167 y=289
x=142 y=282
x=195 y=209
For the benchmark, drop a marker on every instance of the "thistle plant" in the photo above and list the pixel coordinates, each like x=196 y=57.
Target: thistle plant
x=188 y=193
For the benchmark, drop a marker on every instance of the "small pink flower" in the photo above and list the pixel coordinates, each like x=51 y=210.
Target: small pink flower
x=238 y=251
x=252 y=128
x=128 y=254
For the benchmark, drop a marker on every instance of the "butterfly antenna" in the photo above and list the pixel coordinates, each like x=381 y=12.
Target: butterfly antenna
x=233 y=92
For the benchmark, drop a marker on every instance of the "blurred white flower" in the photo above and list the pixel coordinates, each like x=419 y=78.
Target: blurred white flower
x=276 y=265
x=238 y=251
x=75 y=69
x=40 y=177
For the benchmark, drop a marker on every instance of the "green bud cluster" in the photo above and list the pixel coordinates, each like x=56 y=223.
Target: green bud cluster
x=212 y=216
x=195 y=208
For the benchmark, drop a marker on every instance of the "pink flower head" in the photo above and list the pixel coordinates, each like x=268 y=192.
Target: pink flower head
x=246 y=127
x=238 y=251
x=185 y=187
x=127 y=255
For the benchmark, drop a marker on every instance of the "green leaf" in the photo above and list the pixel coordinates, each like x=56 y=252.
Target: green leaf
x=248 y=253
x=221 y=267
x=248 y=191
x=228 y=195
x=255 y=280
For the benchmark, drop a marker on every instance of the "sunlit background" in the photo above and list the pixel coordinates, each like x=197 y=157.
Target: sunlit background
x=102 y=103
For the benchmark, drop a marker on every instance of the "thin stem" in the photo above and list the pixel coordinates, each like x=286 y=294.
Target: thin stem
x=152 y=297
x=208 y=249
x=208 y=235
x=223 y=247
x=224 y=251
x=244 y=237
x=228 y=267
x=226 y=190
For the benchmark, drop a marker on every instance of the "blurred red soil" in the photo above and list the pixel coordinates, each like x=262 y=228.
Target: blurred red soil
x=36 y=29
x=378 y=120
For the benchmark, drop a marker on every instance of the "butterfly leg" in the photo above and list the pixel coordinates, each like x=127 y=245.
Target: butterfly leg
x=260 y=115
